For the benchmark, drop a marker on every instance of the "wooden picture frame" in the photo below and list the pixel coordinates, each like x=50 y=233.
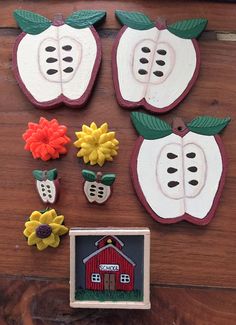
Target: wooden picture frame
x=95 y=245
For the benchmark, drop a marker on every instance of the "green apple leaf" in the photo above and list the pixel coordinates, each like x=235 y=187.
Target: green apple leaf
x=188 y=29
x=108 y=179
x=89 y=175
x=85 y=18
x=135 y=20
x=38 y=174
x=45 y=210
x=52 y=174
x=150 y=127
x=208 y=125
x=30 y=22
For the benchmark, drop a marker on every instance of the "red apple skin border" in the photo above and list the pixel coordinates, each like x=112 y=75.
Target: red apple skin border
x=60 y=100
x=186 y=216
x=142 y=103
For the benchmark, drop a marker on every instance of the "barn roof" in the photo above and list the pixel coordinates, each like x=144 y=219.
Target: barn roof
x=105 y=247
x=116 y=238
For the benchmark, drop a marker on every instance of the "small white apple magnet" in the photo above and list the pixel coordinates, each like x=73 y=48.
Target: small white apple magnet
x=97 y=186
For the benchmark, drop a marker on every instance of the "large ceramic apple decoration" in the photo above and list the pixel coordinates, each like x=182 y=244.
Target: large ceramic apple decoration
x=179 y=172
x=155 y=65
x=56 y=62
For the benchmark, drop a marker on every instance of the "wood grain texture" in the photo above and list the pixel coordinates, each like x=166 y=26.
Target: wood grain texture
x=171 y=10
x=209 y=250
x=34 y=302
x=181 y=254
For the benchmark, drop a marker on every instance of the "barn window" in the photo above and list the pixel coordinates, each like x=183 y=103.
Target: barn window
x=95 y=277
x=124 y=278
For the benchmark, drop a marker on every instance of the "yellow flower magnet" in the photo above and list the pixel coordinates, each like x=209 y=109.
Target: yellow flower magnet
x=96 y=144
x=43 y=229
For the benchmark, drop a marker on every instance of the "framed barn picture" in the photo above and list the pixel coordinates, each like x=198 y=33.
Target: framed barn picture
x=110 y=268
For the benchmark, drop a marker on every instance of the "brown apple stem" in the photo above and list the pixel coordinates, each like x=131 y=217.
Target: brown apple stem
x=178 y=124
x=58 y=20
x=45 y=175
x=99 y=177
x=161 y=23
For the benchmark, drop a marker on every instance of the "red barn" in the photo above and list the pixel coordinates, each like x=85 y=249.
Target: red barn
x=108 y=268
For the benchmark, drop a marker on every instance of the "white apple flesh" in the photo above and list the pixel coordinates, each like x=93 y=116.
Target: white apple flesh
x=96 y=192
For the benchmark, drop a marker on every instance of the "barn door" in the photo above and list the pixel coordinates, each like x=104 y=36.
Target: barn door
x=106 y=281
x=109 y=282
x=112 y=282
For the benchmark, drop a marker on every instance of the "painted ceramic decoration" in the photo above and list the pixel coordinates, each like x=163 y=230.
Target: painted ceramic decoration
x=155 y=65
x=56 y=62
x=179 y=172
x=110 y=268
x=97 y=186
x=46 y=140
x=47 y=184
x=44 y=229
x=96 y=144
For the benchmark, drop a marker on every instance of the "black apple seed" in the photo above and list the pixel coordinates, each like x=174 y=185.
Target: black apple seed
x=142 y=71
x=52 y=71
x=50 y=48
x=146 y=49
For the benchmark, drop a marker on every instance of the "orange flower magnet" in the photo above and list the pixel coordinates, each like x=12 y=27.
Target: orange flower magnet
x=46 y=140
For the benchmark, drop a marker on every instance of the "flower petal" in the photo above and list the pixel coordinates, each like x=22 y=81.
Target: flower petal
x=107 y=144
x=110 y=136
x=115 y=142
x=41 y=245
x=46 y=217
x=78 y=143
x=58 y=219
x=80 y=134
x=93 y=162
x=56 y=242
x=53 y=213
x=93 y=155
x=86 y=129
x=51 y=150
x=58 y=229
x=55 y=227
x=93 y=126
x=32 y=225
x=36 y=135
x=33 y=239
x=35 y=215
x=86 y=159
x=49 y=240
x=26 y=232
x=113 y=152
x=97 y=134
x=97 y=146
x=82 y=152
x=104 y=127
x=104 y=150
x=63 y=230
x=90 y=139
x=103 y=138
x=101 y=158
x=86 y=145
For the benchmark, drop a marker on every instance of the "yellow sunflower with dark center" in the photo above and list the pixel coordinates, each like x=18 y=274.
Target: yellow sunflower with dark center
x=96 y=144
x=44 y=229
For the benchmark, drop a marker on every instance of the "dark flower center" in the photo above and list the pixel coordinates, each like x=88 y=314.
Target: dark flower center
x=43 y=231
x=45 y=140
